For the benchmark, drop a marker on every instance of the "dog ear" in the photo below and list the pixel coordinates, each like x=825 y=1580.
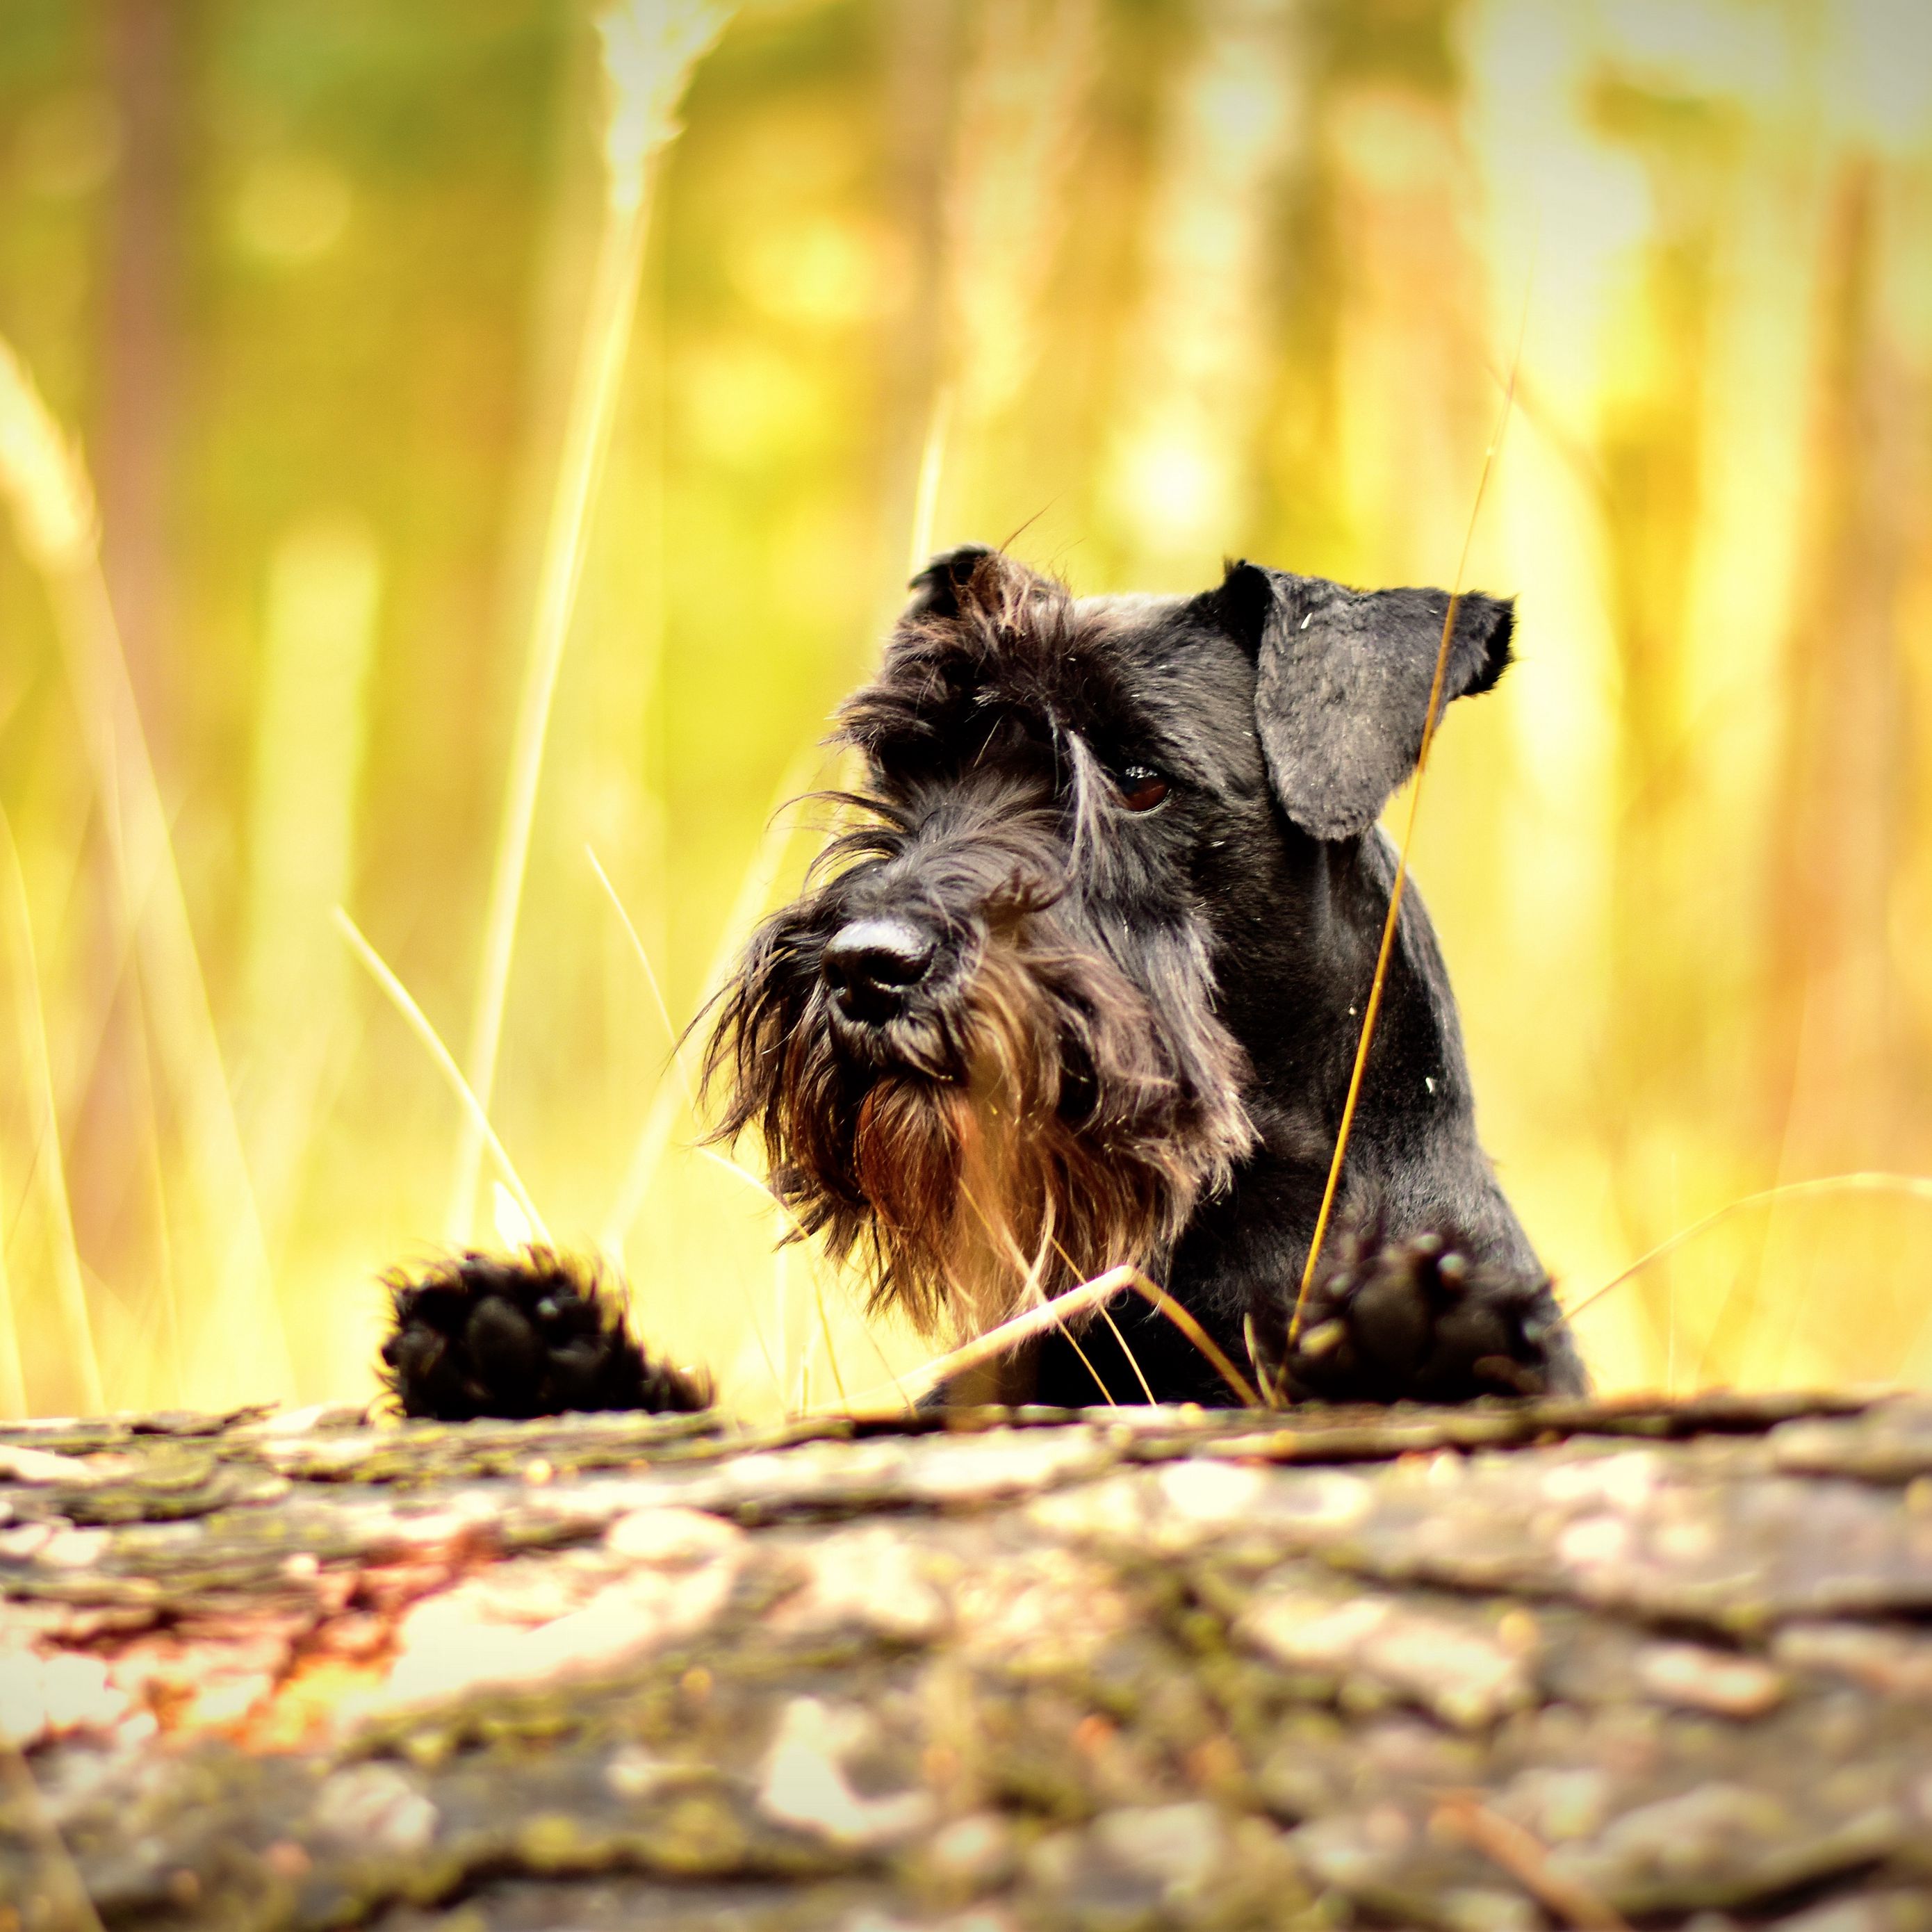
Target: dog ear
x=936 y=590
x=1342 y=683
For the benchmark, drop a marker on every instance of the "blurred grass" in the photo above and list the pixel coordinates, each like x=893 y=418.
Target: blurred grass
x=1160 y=280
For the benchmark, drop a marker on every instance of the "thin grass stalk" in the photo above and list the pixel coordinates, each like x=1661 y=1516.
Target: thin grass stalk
x=418 y=1022
x=1519 y=1851
x=1133 y=1360
x=47 y=487
x=1032 y=1292
x=1051 y=1315
x=84 y=1065
x=663 y=1116
x=1911 y=1186
x=311 y=721
x=606 y=334
x=755 y=892
x=650 y=48
x=752 y=1181
x=176 y=1382
x=781 y=1258
x=1271 y=1394
x=1372 y=1009
x=825 y=1330
x=932 y=470
x=643 y=959
x=13 y=1376
x=49 y=1163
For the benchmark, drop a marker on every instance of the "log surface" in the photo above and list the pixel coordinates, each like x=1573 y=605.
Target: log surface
x=1566 y=1663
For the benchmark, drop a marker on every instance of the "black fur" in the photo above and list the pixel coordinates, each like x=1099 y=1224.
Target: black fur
x=519 y=1336
x=1083 y=982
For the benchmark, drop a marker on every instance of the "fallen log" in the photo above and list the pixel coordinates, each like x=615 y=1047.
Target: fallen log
x=1573 y=1662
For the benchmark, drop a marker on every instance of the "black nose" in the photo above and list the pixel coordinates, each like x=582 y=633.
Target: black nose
x=870 y=964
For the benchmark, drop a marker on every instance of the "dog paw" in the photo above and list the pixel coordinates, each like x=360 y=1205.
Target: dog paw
x=520 y=1335
x=1420 y=1321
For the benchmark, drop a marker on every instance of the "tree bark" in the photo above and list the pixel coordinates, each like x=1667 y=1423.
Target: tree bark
x=1570 y=1664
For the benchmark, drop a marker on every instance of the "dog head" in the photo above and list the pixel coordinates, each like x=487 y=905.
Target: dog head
x=992 y=1046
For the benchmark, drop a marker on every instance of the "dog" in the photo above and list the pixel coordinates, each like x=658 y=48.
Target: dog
x=1080 y=985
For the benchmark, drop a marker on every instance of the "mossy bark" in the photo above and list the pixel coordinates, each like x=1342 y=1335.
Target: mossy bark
x=1508 y=1666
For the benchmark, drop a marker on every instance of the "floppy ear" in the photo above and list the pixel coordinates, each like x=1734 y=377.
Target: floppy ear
x=1342 y=682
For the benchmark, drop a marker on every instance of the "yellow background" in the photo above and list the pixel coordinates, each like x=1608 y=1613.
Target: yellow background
x=1145 y=282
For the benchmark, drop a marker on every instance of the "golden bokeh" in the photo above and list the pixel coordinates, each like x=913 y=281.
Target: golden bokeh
x=456 y=459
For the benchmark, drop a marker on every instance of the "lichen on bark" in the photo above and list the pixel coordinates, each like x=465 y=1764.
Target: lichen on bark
x=1500 y=1666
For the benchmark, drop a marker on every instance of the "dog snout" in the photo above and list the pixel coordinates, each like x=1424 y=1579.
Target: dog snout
x=872 y=963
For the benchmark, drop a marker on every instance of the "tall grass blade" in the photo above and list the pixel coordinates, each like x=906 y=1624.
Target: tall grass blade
x=1372 y=1009
x=755 y=892
x=650 y=48
x=643 y=958
x=931 y=469
x=1911 y=1186
x=244 y=1349
x=1047 y=1316
x=324 y=586
x=12 y=1378
x=418 y=1022
x=49 y=1164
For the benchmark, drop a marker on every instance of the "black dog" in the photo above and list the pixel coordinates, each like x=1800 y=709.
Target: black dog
x=1082 y=986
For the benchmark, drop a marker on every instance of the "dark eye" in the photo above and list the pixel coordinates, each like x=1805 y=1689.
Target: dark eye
x=1141 y=787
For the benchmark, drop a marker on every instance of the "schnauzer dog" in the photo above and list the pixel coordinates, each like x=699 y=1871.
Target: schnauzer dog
x=1080 y=985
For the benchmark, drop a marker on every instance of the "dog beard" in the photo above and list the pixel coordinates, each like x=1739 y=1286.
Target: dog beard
x=1033 y=1133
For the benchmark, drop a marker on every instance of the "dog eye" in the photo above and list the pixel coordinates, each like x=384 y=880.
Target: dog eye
x=1141 y=787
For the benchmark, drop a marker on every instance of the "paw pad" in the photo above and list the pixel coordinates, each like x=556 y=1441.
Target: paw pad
x=1420 y=1320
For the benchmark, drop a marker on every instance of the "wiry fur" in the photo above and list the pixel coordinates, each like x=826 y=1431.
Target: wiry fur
x=1059 y=1101
x=1133 y=1041
x=1080 y=984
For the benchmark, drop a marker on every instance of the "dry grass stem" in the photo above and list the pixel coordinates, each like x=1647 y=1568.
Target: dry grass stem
x=831 y=1353
x=1050 y=1315
x=931 y=469
x=663 y=1116
x=245 y=1349
x=1030 y=1294
x=419 y=1025
x=754 y=893
x=1133 y=1360
x=13 y=1376
x=42 y=477
x=49 y=1164
x=1912 y=1187
x=650 y=47
x=312 y=716
x=1107 y=1316
x=1271 y=1394
x=752 y=1181
x=1373 y=1007
x=644 y=959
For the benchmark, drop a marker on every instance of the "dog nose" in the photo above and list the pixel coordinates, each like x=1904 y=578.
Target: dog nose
x=870 y=964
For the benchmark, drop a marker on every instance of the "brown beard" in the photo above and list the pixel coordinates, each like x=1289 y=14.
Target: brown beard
x=1057 y=1144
